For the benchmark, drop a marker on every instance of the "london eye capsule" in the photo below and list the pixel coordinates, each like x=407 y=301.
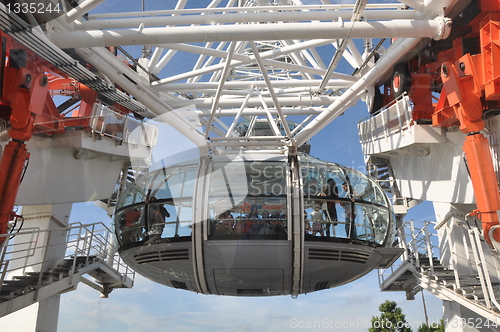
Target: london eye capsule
x=255 y=224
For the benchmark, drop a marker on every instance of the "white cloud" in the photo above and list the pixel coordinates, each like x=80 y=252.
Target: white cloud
x=152 y=307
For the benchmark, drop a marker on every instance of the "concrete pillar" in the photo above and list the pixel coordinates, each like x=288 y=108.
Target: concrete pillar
x=50 y=247
x=456 y=318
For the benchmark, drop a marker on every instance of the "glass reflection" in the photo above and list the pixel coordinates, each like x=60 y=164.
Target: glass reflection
x=158 y=207
x=342 y=203
x=249 y=200
x=261 y=213
x=130 y=225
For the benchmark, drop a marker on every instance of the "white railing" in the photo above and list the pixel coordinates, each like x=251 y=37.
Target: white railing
x=108 y=122
x=28 y=253
x=391 y=119
x=420 y=243
x=483 y=269
x=480 y=285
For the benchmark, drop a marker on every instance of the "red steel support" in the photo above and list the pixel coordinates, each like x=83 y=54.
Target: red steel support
x=482 y=173
x=12 y=164
x=26 y=90
x=460 y=104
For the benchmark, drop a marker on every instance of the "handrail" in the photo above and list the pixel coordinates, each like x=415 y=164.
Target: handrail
x=482 y=267
x=420 y=241
x=416 y=241
x=82 y=240
x=395 y=117
x=108 y=122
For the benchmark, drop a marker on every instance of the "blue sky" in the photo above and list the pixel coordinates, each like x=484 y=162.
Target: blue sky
x=152 y=307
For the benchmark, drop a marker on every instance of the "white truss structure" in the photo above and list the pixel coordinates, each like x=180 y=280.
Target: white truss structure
x=216 y=70
x=204 y=70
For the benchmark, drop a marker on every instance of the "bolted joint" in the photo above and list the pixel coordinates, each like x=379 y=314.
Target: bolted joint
x=444 y=70
x=444 y=28
x=44 y=81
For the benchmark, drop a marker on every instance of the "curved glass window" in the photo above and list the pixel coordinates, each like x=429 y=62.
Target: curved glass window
x=158 y=207
x=248 y=200
x=342 y=203
x=130 y=225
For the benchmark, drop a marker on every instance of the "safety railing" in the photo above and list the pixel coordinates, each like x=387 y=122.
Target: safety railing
x=84 y=243
x=485 y=271
x=394 y=118
x=420 y=243
x=476 y=283
x=108 y=122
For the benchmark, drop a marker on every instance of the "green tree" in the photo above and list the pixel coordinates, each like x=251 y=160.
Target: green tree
x=391 y=319
x=432 y=327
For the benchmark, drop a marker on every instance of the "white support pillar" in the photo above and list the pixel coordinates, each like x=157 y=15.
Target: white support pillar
x=460 y=319
x=41 y=316
x=456 y=248
x=459 y=251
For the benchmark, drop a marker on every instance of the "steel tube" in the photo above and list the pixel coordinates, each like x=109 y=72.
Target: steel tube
x=77 y=12
x=254 y=102
x=215 y=33
x=237 y=85
x=225 y=18
x=211 y=10
x=240 y=59
x=142 y=93
x=394 y=54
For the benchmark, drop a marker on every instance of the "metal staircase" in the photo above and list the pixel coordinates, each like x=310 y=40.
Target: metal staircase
x=419 y=268
x=457 y=265
x=89 y=258
x=380 y=169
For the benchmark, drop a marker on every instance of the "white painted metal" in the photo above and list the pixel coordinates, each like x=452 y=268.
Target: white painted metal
x=177 y=18
x=427 y=164
x=213 y=67
x=396 y=51
x=76 y=13
x=44 y=243
x=216 y=33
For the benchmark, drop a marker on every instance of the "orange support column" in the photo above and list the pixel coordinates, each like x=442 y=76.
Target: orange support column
x=484 y=182
x=11 y=170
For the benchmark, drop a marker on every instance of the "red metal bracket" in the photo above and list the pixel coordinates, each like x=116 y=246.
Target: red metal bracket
x=14 y=158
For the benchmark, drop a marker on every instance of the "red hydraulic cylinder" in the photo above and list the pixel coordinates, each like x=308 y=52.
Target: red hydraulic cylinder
x=11 y=169
x=484 y=182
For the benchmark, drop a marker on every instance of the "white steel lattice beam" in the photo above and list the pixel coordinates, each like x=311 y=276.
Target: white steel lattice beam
x=195 y=34
x=232 y=61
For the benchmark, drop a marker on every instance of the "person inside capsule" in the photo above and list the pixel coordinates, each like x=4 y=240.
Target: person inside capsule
x=225 y=225
x=350 y=211
x=362 y=214
x=130 y=225
x=330 y=192
x=156 y=220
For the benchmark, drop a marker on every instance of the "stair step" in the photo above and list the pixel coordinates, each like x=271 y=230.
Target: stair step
x=444 y=278
x=47 y=276
x=24 y=284
x=425 y=258
x=8 y=289
x=17 y=283
x=437 y=270
x=26 y=279
x=78 y=261
x=59 y=270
